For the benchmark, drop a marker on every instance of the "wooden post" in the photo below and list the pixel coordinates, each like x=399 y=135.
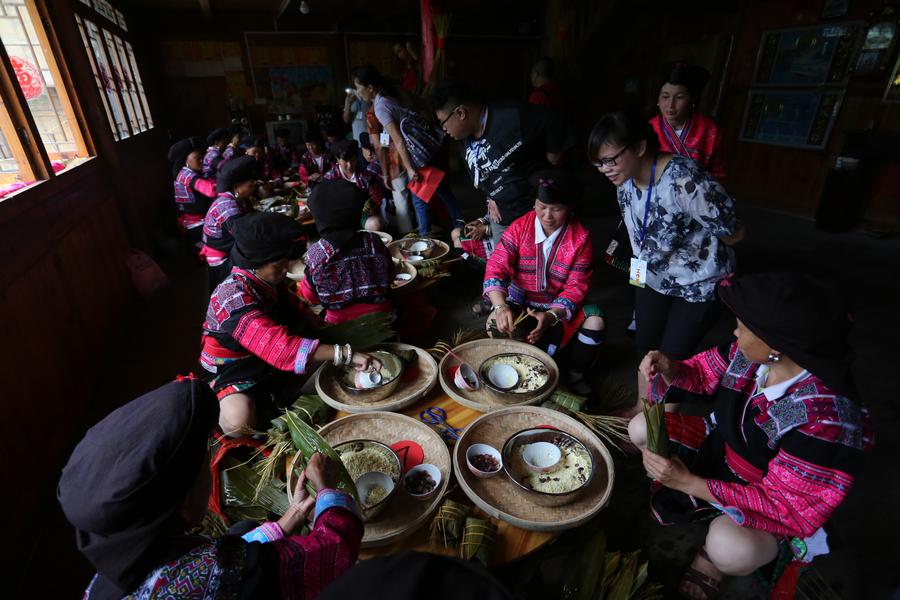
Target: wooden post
x=427 y=40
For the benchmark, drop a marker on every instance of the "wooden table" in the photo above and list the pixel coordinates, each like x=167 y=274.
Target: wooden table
x=511 y=542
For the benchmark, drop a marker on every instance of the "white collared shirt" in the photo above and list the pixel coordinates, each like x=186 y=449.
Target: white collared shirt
x=546 y=245
x=774 y=392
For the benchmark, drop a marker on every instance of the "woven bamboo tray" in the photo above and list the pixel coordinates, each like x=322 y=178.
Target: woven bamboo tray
x=501 y=498
x=404 y=514
x=441 y=249
x=416 y=381
x=475 y=353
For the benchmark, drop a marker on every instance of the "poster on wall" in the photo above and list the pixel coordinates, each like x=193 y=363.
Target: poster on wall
x=876 y=48
x=807 y=56
x=795 y=118
x=300 y=89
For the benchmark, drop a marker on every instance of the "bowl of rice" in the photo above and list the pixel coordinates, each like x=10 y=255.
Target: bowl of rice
x=555 y=487
x=375 y=469
x=530 y=376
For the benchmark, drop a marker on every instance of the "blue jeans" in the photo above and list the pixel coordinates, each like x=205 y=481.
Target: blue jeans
x=423 y=215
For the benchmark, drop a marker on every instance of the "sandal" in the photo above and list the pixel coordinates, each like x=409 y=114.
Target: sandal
x=697 y=585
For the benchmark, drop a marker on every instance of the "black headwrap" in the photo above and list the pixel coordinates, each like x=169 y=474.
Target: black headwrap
x=128 y=477
x=179 y=151
x=411 y=575
x=218 y=135
x=263 y=237
x=236 y=170
x=798 y=315
x=556 y=187
x=337 y=205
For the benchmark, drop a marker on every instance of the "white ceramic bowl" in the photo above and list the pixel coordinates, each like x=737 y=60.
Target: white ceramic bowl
x=475 y=450
x=435 y=474
x=541 y=457
x=365 y=483
x=465 y=378
x=367 y=379
x=415 y=258
x=402 y=277
x=419 y=246
x=503 y=377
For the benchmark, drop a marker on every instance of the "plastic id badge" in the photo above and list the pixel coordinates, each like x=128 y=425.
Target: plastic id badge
x=384 y=139
x=638 y=272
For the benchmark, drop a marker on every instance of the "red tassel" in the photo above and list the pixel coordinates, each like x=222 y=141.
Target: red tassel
x=188 y=377
x=786 y=586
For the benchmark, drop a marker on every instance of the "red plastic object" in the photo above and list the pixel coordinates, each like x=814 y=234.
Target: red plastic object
x=410 y=453
x=431 y=179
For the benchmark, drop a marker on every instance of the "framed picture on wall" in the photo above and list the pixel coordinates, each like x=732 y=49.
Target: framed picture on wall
x=892 y=92
x=877 y=47
x=819 y=55
x=832 y=9
x=797 y=118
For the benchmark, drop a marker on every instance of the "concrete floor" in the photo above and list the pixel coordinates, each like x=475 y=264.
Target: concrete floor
x=163 y=340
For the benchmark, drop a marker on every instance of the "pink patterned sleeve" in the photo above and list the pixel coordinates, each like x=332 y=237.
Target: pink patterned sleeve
x=207 y=187
x=309 y=563
x=795 y=497
x=501 y=266
x=578 y=281
x=273 y=342
x=703 y=373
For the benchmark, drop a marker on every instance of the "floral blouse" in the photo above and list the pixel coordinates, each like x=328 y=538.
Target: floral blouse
x=687 y=215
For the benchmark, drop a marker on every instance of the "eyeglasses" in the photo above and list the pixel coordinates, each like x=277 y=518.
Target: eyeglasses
x=450 y=116
x=609 y=162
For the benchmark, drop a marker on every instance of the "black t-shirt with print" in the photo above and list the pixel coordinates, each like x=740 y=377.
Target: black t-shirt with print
x=514 y=145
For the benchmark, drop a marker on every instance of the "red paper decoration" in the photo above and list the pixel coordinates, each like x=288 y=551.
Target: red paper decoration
x=29 y=76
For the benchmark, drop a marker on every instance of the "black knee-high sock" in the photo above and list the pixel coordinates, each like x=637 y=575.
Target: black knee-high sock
x=584 y=348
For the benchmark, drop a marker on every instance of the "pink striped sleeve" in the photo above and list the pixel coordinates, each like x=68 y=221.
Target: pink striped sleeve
x=273 y=342
x=794 y=498
x=702 y=373
x=309 y=563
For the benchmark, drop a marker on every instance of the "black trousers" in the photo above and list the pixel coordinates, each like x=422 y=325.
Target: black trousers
x=671 y=324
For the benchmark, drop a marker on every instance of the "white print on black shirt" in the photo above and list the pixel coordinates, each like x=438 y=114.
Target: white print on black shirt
x=479 y=163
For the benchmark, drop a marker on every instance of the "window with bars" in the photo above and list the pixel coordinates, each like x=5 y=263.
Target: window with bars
x=115 y=68
x=39 y=130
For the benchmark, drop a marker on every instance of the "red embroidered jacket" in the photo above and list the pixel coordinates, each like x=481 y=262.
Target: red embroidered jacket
x=700 y=140
x=516 y=263
x=797 y=454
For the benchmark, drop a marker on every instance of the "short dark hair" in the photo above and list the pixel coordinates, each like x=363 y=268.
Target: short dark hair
x=367 y=75
x=625 y=128
x=544 y=67
x=365 y=142
x=314 y=136
x=681 y=72
x=447 y=95
x=345 y=149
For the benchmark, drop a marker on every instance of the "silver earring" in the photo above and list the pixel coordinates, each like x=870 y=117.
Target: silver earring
x=773 y=358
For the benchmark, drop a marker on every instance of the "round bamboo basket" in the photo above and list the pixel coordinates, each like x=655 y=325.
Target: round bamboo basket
x=404 y=514
x=499 y=497
x=483 y=399
x=416 y=380
x=404 y=267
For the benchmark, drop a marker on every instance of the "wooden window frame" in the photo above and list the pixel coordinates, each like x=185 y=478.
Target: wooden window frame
x=16 y=121
x=140 y=110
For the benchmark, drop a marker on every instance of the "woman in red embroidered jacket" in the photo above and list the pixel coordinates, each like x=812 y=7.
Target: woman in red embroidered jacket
x=316 y=161
x=193 y=195
x=543 y=265
x=348 y=168
x=257 y=336
x=236 y=184
x=785 y=439
x=348 y=272
x=682 y=130
x=140 y=479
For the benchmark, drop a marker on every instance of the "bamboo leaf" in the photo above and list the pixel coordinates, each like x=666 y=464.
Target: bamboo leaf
x=639 y=579
x=361 y=332
x=589 y=568
x=308 y=442
x=477 y=540
x=573 y=402
x=624 y=579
